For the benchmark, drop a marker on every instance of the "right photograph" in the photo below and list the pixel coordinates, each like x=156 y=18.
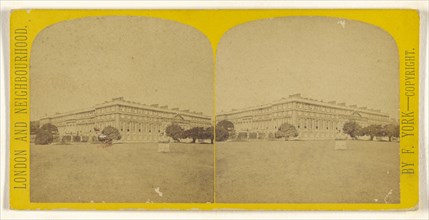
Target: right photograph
x=307 y=111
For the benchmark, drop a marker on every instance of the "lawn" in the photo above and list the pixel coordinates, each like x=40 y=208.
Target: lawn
x=121 y=173
x=307 y=172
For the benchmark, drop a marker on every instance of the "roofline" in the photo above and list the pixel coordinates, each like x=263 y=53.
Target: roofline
x=122 y=102
x=296 y=98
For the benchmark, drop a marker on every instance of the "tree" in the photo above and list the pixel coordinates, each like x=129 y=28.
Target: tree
x=391 y=130
x=286 y=130
x=44 y=137
x=221 y=134
x=193 y=133
x=45 y=134
x=372 y=131
x=352 y=128
x=108 y=134
x=34 y=126
x=50 y=128
x=174 y=131
x=208 y=134
x=228 y=126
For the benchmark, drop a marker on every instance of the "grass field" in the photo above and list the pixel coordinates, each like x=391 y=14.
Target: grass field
x=121 y=173
x=307 y=172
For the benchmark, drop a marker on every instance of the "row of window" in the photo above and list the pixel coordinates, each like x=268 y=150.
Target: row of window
x=145 y=118
x=135 y=111
x=299 y=105
x=134 y=127
x=311 y=124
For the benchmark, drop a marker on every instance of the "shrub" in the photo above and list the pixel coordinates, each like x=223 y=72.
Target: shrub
x=253 y=135
x=352 y=128
x=85 y=138
x=193 y=133
x=76 y=138
x=391 y=130
x=34 y=126
x=66 y=139
x=56 y=138
x=111 y=133
x=50 y=128
x=261 y=135
x=208 y=134
x=174 y=131
x=227 y=125
x=43 y=137
x=94 y=139
x=232 y=135
x=242 y=135
x=286 y=131
x=221 y=134
x=371 y=131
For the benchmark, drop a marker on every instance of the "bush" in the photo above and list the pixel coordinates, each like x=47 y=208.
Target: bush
x=76 y=138
x=227 y=125
x=232 y=135
x=261 y=135
x=391 y=131
x=193 y=133
x=242 y=135
x=174 y=131
x=110 y=133
x=286 y=131
x=34 y=126
x=371 y=131
x=85 y=138
x=94 y=139
x=229 y=128
x=50 y=128
x=66 y=139
x=221 y=134
x=352 y=128
x=43 y=137
x=253 y=135
x=56 y=138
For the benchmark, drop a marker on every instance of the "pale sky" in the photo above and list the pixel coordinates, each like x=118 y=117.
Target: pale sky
x=321 y=58
x=80 y=63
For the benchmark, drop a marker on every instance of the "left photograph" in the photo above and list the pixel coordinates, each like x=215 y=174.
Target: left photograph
x=121 y=111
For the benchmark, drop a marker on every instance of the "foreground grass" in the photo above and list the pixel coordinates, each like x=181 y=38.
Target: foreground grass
x=307 y=172
x=121 y=173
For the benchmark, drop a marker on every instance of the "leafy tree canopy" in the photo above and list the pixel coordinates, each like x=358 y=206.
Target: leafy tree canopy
x=34 y=126
x=109 y=134
x=174 y=131
x=44 y=137
x=193 y=133
x=286 y=131
x=208 y=134
x=372 y=131
x=352 y=128
x=391 y=130
x=221 y=134
x=225 y=124
x=50 y=128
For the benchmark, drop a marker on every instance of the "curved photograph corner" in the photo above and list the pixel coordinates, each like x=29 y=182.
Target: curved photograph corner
x=115 y=103
x=307 y=112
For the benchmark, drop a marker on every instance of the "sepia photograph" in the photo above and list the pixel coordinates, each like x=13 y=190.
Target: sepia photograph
x=307 y=111
x=121 y=112
x=213 y=110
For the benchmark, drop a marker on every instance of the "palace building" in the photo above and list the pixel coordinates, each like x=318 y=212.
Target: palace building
x=136 y=122
x=312 y=118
